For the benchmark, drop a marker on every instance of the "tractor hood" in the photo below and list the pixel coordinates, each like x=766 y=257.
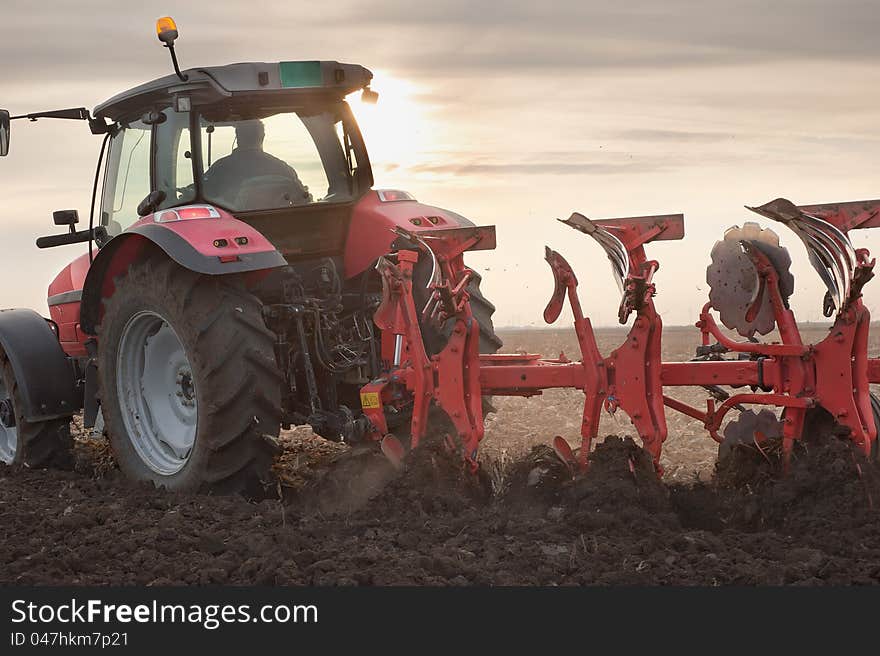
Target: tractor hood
x=380 y=211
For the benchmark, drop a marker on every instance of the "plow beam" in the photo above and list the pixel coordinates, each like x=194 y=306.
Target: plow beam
x=717 y=372
x=498 y=377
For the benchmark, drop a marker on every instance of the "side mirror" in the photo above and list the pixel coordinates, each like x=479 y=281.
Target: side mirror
x=70 y=218
x=66 y=217
x=4 y=132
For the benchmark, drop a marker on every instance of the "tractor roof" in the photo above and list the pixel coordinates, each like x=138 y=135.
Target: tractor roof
x=284 y=82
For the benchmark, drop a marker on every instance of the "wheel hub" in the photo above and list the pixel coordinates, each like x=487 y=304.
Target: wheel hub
x=186 y=391
x=157 y=393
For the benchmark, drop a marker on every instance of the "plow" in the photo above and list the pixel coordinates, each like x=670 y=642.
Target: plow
x=811 y=385
x=243 y=275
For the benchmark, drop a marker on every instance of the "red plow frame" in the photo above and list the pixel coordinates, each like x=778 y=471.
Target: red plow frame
x=833 y=374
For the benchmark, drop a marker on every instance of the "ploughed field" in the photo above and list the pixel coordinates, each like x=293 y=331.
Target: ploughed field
x=337 y=516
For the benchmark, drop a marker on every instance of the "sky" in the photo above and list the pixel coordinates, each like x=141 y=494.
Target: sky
x=510 y=113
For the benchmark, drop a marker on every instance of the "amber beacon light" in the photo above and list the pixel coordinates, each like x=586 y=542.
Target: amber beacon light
x=166 y=30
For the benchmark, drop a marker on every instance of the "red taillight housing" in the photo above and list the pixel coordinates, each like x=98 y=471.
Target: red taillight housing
x=393 y=195
x=197 y=213
x=186 y=213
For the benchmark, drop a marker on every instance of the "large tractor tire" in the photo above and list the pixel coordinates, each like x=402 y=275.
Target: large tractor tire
x=189 y=387
x=483 y=310
x=31 y=444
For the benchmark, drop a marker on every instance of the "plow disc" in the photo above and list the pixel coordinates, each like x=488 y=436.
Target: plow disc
x=736 y=290
x=749 y=428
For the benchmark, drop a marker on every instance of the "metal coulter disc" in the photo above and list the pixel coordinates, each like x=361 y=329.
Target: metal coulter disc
x=742 y=430
x=734 y=282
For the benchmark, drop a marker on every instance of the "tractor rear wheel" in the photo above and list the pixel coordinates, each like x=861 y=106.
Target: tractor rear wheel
x=32 y=444
x=483 y=310
x=190 y=390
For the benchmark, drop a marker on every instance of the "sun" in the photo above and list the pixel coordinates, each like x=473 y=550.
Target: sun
x=396 y=130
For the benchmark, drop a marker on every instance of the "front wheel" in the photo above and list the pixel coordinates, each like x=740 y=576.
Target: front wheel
x=189 y=387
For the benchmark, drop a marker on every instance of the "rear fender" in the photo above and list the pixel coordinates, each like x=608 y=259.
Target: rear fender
x=44 y=374
x=217 y=245
x=373 y=221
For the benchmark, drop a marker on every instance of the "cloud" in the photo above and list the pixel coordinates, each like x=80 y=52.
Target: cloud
x=672 y=136
x=101 y=39
x=537 y=168
x=642 y=33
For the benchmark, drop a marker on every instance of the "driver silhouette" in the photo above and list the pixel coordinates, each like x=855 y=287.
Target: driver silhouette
x=228 y=177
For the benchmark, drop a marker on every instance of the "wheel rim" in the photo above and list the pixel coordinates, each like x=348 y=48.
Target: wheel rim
x=8 y=431
x=157 y=393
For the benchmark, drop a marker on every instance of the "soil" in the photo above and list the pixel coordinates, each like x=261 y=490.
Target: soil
x=346 y=517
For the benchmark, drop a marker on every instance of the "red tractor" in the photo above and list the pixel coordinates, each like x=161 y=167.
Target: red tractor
x=230 y=281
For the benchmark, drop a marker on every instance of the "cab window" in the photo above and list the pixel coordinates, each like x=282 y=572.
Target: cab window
x=174 y=159
x=275 y=161
x=127 y=180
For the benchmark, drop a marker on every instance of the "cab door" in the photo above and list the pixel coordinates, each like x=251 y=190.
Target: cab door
x=127 y=176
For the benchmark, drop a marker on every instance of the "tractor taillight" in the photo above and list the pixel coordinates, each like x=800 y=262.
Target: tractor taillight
x=186 y=213
x=393 y=195
x=198 y=212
